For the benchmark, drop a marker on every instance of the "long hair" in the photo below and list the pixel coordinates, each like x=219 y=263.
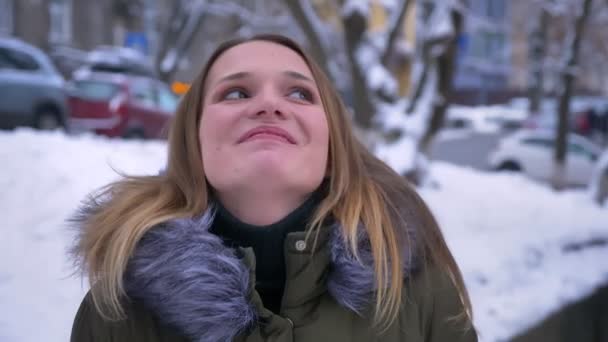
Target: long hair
x=362 y=192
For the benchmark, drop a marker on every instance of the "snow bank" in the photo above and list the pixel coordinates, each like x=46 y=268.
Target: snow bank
x=44 y=177
x=515 y=241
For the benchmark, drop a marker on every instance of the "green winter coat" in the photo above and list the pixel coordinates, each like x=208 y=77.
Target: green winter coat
x=185 y=285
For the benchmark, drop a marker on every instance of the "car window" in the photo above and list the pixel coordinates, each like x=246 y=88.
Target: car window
x=457 y=123
x=18 y=60
x=538 y=142
x=167 y=101
x=96 y=90
x=143 y=93
x=577 y=149
x=5 y=63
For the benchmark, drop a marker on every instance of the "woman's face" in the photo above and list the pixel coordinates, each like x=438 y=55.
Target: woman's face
x=263 y=124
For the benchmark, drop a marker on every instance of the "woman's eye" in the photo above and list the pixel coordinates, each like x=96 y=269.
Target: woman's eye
x=235 y=94
x=301 y=94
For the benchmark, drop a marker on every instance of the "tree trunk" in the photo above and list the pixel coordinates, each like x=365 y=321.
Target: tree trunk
x=427 y=60
x=445 y=69
x=355 y=26
x=602 y=188
x=537 y=56
x=568 y=78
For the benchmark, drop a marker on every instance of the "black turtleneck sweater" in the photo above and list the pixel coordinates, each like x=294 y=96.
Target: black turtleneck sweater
x=267 y=243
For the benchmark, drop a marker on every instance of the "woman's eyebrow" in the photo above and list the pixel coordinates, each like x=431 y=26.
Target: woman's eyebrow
x=244 y=74
x=297 y=75
x=235 y=76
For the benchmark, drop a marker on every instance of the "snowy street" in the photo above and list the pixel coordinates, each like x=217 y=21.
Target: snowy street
x=512 y=238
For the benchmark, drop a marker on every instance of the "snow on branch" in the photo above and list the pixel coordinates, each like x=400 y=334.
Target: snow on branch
x=555 y=8
x=169 y=61
x=195 y=11
x=245 y=15
x=318 y=26
x=350 y=7
x=396 y=20
x=378 y=78
x=440 y=24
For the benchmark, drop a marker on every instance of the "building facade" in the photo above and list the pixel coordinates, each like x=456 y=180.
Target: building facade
x=78 y=24
x=592 y=73
x=484 y=64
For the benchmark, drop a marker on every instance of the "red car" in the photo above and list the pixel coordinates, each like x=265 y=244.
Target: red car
x=121 y=105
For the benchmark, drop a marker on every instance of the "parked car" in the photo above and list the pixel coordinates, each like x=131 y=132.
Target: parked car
x=578 y=119
x=120 y=105
x=531 y=152
x=31 y=89
x=116 y=59
x=484 y=119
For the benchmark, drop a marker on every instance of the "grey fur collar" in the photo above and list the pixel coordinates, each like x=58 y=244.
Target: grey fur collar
x=189 y=279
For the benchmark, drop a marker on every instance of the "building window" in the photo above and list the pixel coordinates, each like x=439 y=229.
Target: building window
x=60 y=13
x=496 y=9
x=6 y=17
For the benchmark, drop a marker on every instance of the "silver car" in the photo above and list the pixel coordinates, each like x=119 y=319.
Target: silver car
x=531 y=152
x=31 y=89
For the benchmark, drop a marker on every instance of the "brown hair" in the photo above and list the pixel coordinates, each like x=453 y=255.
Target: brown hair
x=362 y=191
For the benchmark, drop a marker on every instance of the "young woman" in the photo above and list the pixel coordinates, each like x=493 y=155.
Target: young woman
x=270 y=223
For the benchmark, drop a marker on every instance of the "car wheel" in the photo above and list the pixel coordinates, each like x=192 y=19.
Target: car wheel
x=509 y=166
x=47 y=120
x=135 y=133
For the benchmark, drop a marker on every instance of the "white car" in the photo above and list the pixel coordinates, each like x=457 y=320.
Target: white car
x=531 y=152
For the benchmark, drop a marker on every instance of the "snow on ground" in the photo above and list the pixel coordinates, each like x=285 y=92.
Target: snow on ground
x=510 y=237
x=44 y=177
x=508 y=234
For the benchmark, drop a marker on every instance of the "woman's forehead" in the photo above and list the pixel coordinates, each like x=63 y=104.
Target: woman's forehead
x=255 y=57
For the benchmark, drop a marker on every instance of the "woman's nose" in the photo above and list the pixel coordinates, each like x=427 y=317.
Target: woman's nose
x=269 y=104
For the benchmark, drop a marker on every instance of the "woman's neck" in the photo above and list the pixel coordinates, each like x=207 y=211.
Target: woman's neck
x=261 y=209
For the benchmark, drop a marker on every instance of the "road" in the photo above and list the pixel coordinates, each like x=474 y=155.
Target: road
x=465 y=148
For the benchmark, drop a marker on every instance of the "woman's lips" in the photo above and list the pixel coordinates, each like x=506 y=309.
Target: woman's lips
x=268 y=132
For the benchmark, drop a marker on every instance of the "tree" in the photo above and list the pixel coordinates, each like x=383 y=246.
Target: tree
x=128 y=12
x=538 y=43
x=445 y=69
x=568 y=73
x=599 y=181
x=186 y=18
x=374 y=87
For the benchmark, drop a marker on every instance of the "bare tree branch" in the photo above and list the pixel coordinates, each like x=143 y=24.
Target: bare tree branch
x=245 y=15
x=170 y=29
x=308 y=21
x=394 y=32
x=184 y=35
x=445 y=70
x=421 y=82
x=185 y=19
x=355 y=26
x=429 y=44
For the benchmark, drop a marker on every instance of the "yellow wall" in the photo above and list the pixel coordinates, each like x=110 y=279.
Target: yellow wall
x=377 y=22
x=378 y=17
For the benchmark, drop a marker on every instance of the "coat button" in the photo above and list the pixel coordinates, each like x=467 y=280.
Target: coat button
x=290 y=322
x=300 y=245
